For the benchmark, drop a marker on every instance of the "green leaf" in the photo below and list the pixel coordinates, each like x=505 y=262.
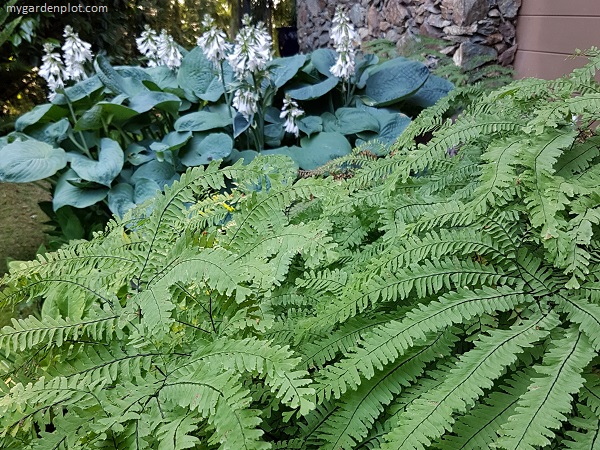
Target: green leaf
x=90 y=120
x=197 y=75
x=320 y=149
x=120 y=199
x=201 y=121
x=204 y=149
x=172 y=141
x=313 y=91
x=164 y=77
x=389 y=85
x=79 y=91
x=67 y=194
x=310 y=125
x=22 y=162
x=106 y=169
x=145 y=101
x=434 y=88
x=282 y=70
x=40 y=114
x=115 y=81
x=162 y=173
x=352 y=121
x=323 y=59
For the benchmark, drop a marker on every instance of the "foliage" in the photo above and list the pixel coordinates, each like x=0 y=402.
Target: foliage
x=489 y=74
x=117 y=138
x=422 y=300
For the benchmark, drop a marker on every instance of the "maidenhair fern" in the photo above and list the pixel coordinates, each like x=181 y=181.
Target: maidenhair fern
x=444 y=296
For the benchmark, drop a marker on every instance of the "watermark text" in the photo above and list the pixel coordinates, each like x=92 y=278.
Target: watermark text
x=56 y=9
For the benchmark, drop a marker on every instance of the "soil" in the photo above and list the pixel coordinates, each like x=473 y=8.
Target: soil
x=21 y=221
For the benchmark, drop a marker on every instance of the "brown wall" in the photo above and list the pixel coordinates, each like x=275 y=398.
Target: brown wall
x=549 y=31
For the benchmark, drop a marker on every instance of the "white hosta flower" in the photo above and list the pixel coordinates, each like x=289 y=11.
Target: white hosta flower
x=344 y=65
x=345 y=40
x=213 y=42
x=168 y=52
x=76 y=54
x=245 y=101
x=291 y=111
x=147 y=45
x=252 y=50
x=52 y=69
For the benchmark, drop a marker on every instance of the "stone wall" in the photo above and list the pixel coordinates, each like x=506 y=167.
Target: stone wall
x=473 y=28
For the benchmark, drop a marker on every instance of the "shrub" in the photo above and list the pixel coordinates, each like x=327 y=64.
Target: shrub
x=118 y=137
x=445 y=296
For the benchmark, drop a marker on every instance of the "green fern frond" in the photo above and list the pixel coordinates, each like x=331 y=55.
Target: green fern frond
x=543 y=407
x=587 y=435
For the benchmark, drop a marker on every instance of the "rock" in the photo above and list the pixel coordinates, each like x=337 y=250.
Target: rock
x=430 y=30
x=432 y=8
x=494 y=38
x=395 y=13
x=357 y=14
x=494 y=12
x=437 y=21
x=373 y=21
x=315 y=7
x=384 y=26
x=323 y=40
x=392 y=35
x=467 y=12
x=508 y=31
x=509 y=8
x=508 y=56
x=470 y=56
x=488 y=26
x=448 y=50
x=446 y=9
x=455 y=30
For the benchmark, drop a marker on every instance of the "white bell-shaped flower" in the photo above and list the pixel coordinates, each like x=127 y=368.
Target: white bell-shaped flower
x=52 y=69
x=345 y=39
x=245 y=101
x=76 y=54
x=252 y=50
x=147 y=45
x=291 y=111
x=213 y=42
x=168 y=52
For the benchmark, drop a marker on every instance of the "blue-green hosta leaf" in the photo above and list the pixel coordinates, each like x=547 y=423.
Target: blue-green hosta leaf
x=123 y=196
x=90 y=120
x=51 y=133
x=246 y=155
x=160 y=172
x=392 y=128
x=204 y=149
x=434 y=88
x=40 y=114
x=274 y=133
x=79 y=91
x=312 y=91
x=120 y=199
x=310 y=125
x=323 y=59
x=114 y=112
x=137 y=154
x=145 y=189
x=202 y=121
x=172 y=141
x=320 y=149
x=106 y=169
x=273 y=115
x=116 y=82
x=197 y=75
x=67 y=194
x=283 y=70
x=391 y=84
x=361 y=72
x=145 y=101
x=240 y=124
x=25 y=161
x=353 y=120
x=163 y=77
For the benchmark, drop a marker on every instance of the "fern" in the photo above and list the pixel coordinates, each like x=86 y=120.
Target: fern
x=445 y=295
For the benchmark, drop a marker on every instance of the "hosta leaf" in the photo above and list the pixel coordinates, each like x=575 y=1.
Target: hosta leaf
x=283 y=70
x=106 y=169
x=323 y=59
x=160 y=172
x=203 y=149
x=313 y=91
x=66 y=193
x=320 y=149
x=202 y=121
x=25 y=161
x=40 y=114
x=145 y=101
x=387 y=86
x=198 y=76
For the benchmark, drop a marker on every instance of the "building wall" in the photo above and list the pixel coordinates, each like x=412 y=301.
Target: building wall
x=473 y=28
x=549 y=31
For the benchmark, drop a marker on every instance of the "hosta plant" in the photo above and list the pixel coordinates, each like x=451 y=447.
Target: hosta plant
x=445 y=296
x=116 y=138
